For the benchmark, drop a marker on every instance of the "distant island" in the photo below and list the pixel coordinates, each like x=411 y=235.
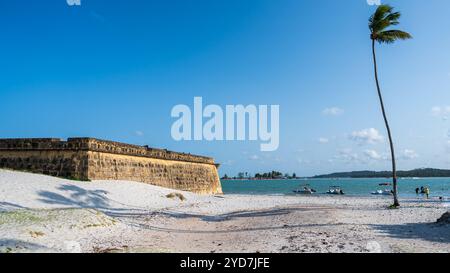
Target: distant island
x=272 y=175
x=426 y=172
x=276 y=175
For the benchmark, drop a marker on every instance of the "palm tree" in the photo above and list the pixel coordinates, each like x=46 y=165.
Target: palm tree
x=379 y=24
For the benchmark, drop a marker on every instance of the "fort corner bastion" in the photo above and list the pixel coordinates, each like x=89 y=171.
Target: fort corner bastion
x=94 y=159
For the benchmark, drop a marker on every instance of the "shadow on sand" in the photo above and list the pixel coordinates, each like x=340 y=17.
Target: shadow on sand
x=6 y=206
x=270 y=224
x=138 y=217
x=432 y=232
x=231 y=215
x=13 y=245
x=79 y=197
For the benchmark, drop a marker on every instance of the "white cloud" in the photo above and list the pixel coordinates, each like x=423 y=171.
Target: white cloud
x=408 y=154
x=323 y=140
x=332 y=111
x=271 y=157
x=367 y=136
x=254 y=157
x=374 y=2
x=139 y=133
x=302 y=161
x=372 y=154
x=228 y=163
x=347 y=155
x=441 y=112
x=436 y=110
x=366 y=157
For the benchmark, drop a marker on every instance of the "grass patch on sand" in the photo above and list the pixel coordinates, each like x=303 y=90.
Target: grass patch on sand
x=102 y=222
x=20 y=216
x=176 y=195
x=60 y=218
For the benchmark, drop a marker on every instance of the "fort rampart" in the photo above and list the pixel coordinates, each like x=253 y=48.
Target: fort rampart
x=94 y=159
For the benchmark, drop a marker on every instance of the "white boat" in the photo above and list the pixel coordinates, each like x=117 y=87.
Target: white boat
x=335 y=190
x=382 y=192
x=304 y=189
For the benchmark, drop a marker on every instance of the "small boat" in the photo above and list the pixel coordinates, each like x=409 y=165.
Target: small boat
x=335 y=190
x=385 y=184
x=382 y=192
x=304 y=189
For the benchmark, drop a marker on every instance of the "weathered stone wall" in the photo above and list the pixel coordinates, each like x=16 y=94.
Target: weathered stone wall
x=93 y=159
x=196 y=177
x=68 y=164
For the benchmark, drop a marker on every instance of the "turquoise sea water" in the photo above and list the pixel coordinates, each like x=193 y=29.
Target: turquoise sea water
x=353 y=186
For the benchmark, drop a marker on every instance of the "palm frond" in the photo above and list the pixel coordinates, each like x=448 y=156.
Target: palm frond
x=390 y=36
x=382 y=11
x=379 y=15
x=384 y=18
x=393 y=17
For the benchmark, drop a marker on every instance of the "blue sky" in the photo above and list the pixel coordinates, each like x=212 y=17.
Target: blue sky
x=115 y=69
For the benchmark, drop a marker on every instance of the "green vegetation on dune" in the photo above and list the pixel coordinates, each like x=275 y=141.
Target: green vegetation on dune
x=20 y=216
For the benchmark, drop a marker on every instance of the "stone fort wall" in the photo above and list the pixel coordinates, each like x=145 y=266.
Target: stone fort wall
x=94 y=159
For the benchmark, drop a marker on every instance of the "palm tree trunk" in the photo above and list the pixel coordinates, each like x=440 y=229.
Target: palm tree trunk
x=394 y=171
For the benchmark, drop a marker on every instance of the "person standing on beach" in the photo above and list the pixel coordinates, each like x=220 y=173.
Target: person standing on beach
x=427 y=192
x=417 y=191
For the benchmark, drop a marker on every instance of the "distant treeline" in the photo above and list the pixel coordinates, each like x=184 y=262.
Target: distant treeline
x=387 y=174
x=260 y=176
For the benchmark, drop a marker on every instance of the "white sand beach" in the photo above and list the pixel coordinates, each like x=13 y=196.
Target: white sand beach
x=46 y=214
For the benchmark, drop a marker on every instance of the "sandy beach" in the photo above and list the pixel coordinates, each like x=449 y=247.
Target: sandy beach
x=46 y=214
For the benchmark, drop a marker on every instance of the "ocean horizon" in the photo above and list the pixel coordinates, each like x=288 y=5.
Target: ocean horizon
x=351 y=186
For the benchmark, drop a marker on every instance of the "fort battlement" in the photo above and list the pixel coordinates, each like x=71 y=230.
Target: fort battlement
x=94 y=159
